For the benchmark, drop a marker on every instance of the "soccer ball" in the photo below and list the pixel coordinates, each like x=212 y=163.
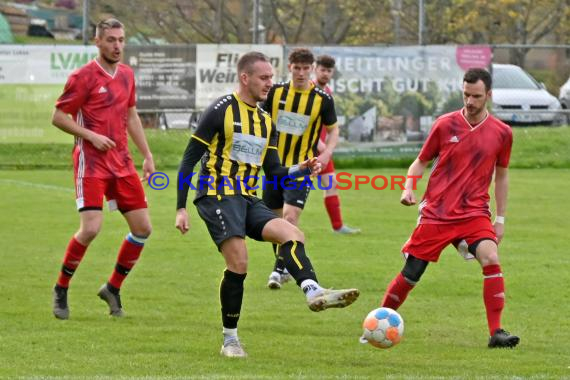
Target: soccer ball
x=383 y=328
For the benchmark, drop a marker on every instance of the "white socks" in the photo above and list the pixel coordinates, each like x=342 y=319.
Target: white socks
x=311 y=288
x=229 y=335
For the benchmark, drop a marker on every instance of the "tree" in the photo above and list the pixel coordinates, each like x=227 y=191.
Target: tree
x=496 y=22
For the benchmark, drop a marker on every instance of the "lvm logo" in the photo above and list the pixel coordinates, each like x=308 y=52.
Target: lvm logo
x=69 y=61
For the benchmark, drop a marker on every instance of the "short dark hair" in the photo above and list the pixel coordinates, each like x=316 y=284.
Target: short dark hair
x=301 y=55
x=326 y=61
x=110 y=23
x=474 y=75
x=247 y=60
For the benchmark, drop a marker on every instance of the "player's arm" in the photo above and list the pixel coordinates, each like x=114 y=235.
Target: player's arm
x=135 y=129
x=330 y=144
x=63 y=121
x=501 y=192
x=273 y=169
x=430 y=150
x=75 y=95
x=330 y=123
x=415 y=171
x=210 y=123
x=194 y=151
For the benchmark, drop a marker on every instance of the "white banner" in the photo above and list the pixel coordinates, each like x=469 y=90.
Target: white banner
x=365 y=70
x=216 y=68
x=21 y=64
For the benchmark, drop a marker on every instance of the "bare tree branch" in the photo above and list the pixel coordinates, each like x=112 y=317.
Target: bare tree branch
x=277 y=19
x=190 y=22
x=301 y=22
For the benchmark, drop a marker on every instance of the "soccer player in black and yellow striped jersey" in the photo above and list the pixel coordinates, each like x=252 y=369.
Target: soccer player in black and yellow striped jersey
x=234 y=139
x=300 y=110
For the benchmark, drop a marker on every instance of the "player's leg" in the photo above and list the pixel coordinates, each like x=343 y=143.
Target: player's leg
x=89 y=200
x=292 y=254
x=332 y=203
x=273 y=198
x=225 y=218
x=129 y=196
x=486 y=252
x=404 y=282
x=293 y=203
x=231 y=293
x=424 y=245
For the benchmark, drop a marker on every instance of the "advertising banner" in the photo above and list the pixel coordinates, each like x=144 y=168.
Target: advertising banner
x=216 y=68
x=21 y=64
x=165 y=76
x=406 y=86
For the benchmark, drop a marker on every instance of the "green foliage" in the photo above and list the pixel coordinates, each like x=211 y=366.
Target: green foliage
x=433 y=97
x=413 y=104
x=453 y=103
x=549 y=78
x=537 y=147
x=34 y=40
x=172 y=328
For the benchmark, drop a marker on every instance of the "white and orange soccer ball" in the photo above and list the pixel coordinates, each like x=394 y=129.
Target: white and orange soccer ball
x=383 y=328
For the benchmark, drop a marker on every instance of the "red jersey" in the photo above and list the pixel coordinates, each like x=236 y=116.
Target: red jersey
x=100 y=102
x=465 y=159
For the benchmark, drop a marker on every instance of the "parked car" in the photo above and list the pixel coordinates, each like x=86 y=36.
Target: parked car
x=564 y=98
x=565 y=95
x=518 y=98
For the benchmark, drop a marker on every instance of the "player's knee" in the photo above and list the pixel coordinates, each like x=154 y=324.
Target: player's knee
x=414 y=269
x=291 y=219
x=88 y=233
x=292 y=233
x=331 y=191
x=238 y=265
x=488 y=258
x=485 y=251
x=297 y=234
x=143 y=231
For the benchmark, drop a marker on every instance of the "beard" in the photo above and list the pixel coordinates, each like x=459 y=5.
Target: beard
x=474 y=110
x=109 y=60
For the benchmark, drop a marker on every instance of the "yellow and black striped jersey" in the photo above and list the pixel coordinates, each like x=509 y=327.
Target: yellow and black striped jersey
x=237 y=136
x=299 y=116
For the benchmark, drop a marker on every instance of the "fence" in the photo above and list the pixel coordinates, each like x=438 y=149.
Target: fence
x=384 y=96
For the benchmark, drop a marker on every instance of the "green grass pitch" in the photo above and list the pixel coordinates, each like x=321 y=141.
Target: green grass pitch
x=172 y=328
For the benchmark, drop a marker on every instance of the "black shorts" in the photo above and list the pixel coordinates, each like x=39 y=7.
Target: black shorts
x=233 y=215
x=296 y=196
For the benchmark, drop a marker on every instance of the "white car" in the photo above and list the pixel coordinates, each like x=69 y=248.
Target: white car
x=519 y=99
x=565 y=95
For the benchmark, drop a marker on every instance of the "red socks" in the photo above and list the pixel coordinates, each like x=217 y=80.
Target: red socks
x=332 y=203
x=73 y=256
x=397 y=292
x=127 y=258
x=493 y=295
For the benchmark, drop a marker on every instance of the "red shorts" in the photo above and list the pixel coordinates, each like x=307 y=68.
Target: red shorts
x=329 y=168
x=123 y=194
x=428 y=240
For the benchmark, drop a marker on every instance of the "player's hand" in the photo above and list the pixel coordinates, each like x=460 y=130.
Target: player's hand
x=182 y=222
x=101 y=142
x=313 y=164
x=408 y=198
x=499 y=231
x=148 y=168
x=324 y=157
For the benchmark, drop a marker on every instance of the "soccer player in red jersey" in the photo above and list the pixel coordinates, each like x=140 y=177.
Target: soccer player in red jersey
x=100 y=97
x=468 y=146
x=324 y=71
